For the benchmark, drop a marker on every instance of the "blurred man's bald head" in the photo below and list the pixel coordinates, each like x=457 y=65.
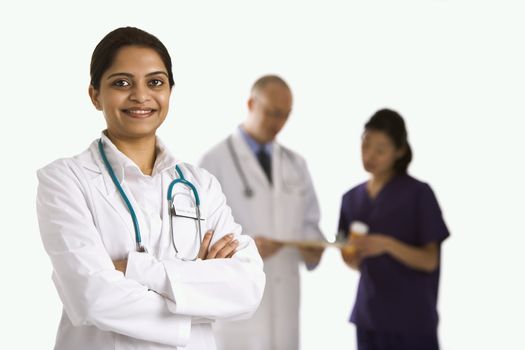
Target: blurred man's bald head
x=261 y=83
x=269 y=106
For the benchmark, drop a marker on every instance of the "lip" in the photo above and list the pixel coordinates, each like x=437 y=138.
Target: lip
x=139 y=113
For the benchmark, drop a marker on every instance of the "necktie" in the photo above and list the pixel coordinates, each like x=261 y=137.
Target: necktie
x=266 y=163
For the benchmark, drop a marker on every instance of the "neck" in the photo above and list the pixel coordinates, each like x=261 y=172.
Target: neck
x=142 y=151
x=382 y=178
x=377 y=182
x=252 y=131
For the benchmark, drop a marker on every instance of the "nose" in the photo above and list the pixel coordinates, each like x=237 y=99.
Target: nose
x=139 y=94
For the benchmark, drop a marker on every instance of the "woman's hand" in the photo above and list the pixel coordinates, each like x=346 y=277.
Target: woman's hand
x=121 y=265
x=223 y=248
x=364 y=246
x=370 y=245
x=350 y=256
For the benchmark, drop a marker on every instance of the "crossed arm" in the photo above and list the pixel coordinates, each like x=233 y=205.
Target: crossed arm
x=222 y=249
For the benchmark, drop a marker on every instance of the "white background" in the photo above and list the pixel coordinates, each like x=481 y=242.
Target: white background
x=453 y=69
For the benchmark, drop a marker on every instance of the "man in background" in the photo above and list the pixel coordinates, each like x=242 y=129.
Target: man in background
x=271 y=195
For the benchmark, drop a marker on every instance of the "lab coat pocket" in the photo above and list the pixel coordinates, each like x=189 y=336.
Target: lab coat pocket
x=187 y=231
x=292 y=182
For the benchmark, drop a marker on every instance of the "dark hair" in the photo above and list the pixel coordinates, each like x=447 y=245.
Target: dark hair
x=107 y=48
x=392 y=124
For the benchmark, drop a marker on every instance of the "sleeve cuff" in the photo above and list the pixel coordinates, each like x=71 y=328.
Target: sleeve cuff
x=148 y=271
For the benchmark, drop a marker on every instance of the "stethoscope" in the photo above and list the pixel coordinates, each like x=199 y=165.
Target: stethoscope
x=171 y=208
x=248 y=190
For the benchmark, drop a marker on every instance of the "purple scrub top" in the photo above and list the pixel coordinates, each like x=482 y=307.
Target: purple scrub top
x=392 y=297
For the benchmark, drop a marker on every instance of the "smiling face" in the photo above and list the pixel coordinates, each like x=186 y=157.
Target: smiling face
x=134 y=93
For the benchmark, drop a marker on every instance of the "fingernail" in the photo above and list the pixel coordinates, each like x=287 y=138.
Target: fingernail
x=230 y=235
x=236 y=242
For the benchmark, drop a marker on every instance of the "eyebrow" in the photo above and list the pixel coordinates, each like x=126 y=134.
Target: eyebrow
x=129 y=75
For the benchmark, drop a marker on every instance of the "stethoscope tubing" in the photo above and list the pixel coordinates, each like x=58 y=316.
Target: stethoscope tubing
x=138 y=237
x=171 y=210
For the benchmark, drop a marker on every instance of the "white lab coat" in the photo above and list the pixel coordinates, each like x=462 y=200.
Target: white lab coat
x=162 y=302
x=287 y=210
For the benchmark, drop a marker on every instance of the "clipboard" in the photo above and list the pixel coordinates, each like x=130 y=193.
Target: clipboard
x=311 y=244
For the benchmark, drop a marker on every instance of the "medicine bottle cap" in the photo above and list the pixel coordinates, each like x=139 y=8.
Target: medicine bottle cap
x=359 y=227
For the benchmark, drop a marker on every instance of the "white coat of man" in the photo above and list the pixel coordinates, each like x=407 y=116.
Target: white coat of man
x=271 y=194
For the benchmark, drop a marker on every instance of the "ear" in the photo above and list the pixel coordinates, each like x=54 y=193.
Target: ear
x=250 y=104
x=94 y=94
x=401 y=152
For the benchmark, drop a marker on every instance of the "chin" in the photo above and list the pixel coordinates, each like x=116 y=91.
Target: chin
x=140 y=132
x=272 y=137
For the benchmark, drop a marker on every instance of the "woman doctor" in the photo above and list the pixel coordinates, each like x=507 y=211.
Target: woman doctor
x=399 y=260
x=145 y=251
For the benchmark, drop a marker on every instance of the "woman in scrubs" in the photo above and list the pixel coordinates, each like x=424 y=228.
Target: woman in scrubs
x=395 y=307
x=160 y=287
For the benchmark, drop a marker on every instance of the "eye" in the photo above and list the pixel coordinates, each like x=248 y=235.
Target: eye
x=121 y=83
x=156 y=82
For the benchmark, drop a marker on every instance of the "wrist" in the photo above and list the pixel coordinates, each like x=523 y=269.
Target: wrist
x=389 y=244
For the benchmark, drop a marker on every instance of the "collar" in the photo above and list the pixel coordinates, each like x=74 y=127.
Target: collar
x=254 y=145
x=121 y=164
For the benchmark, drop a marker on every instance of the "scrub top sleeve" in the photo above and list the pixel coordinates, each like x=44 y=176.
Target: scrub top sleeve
x=92 y=291
x=431 y=226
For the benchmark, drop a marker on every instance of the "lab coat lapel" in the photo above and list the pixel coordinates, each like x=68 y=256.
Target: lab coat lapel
x=105 y=186
x=164 y=248
x=277 y=166
x=249 y=163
